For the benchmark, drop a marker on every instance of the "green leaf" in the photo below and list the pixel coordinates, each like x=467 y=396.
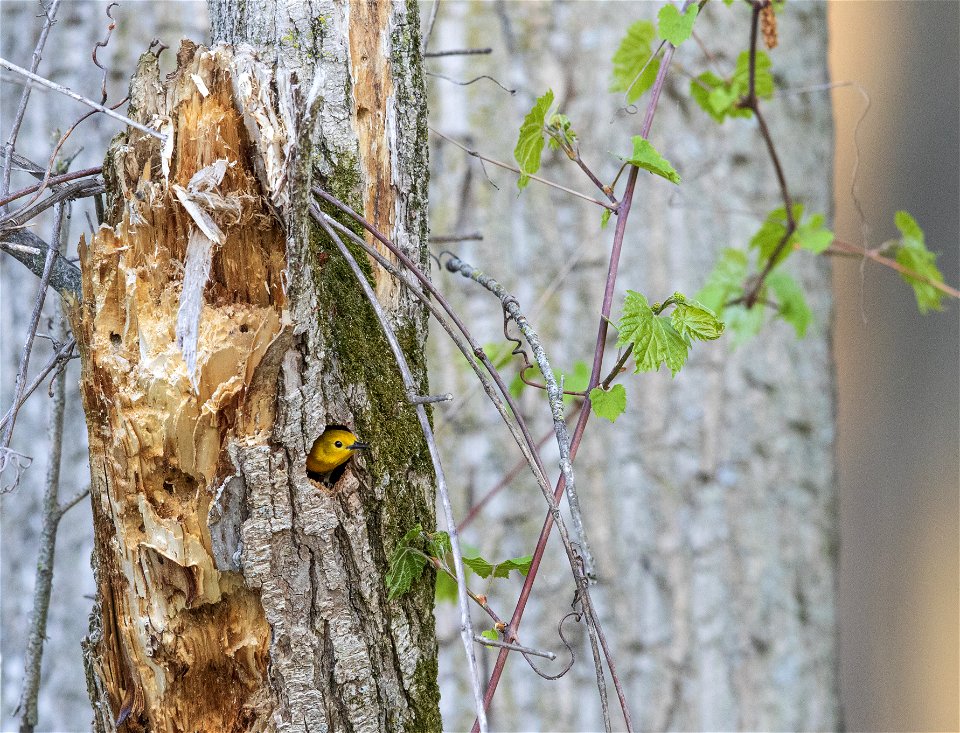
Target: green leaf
x=490 y=634
x=812 y=235
x=446 y=589
x=631 y=57
x=913 y=253
x=576 y=380
x=520 y=564
x=744 y=324
x=695 y=321
x=478 y=565
x=439 y=544
x=530 y=143
x=763 y=79
x=560 y=127
x=726 y=280
x=719 y=97
x=645 y=156
x=654 y=339
x=792 y=306
x=910 y=232
x=406 y=565
x=605 y=218
x=609 y=405
x=674 y=27
x=772 y=232
x=703 y=89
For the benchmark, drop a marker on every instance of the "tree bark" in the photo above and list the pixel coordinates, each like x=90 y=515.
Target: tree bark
x=220 y=333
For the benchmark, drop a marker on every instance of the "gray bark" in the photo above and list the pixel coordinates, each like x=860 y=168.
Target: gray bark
x=711 y=503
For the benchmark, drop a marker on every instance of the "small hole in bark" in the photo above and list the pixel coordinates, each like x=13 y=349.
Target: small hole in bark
x=244 y=328
x=168 y=487
x=115 y=338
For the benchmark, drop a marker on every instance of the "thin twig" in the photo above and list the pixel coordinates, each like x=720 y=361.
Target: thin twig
x=514 y=647
x=51 y=514
x=430 y=21
x=79 y=98
x=52 y=181
x=512 y=474
x=467 y=83
x=31 y=251
x=466 y=627
x=21 y=380
x=532 y=177
x=73 y=501
x=841 y=248
x=76 y=190
x=554 y=393
x=50 y=18
x=60 y=357
x=459 y=52
x=453 y=238
x=469 y=352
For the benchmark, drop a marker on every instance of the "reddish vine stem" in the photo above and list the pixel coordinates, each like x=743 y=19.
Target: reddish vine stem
x=626 y=202
x=752 y=103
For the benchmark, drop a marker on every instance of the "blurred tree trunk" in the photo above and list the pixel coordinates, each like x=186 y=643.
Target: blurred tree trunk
x=220 y=333
x=711 y=503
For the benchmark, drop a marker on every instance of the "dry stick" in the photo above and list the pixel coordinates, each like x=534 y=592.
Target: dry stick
x=25 y=97
x=525 y=442
x=514 y=647
x=532 y=177
x=52 y=181
x=626 y=202
x=76 y=190
x=554 y=393
x=52 y=513
x=28 y=345
x=469 y=351
x=31 y=251
x=466 y=627
x=459 y=52
x=63 y=354
x=555 y=396
x=83 y=100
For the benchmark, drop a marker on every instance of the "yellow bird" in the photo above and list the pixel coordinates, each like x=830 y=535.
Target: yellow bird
x=333 y=448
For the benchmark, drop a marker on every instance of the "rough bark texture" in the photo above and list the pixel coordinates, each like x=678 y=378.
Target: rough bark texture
x=710 y=505
x=234 y=593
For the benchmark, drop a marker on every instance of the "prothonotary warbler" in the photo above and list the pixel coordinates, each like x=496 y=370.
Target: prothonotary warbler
x=333 y=448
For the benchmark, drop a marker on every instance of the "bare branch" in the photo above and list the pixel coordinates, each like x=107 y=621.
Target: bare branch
x=514 y=647
x=51 y=256
x=48 y=539
x=31 y=251
x=83 y=100
x=49 y=20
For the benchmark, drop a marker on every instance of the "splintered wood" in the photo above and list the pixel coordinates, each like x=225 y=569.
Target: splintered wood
x=182 y=297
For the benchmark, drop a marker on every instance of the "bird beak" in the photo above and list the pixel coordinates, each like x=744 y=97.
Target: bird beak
x=358 y=445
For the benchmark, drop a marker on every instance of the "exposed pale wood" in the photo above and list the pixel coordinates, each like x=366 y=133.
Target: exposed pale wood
x=183 y=642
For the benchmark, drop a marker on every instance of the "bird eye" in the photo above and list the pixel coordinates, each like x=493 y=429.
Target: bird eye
x=339 y=444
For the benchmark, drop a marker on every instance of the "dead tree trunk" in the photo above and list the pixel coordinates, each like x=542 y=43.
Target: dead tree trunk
x=220 y=333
